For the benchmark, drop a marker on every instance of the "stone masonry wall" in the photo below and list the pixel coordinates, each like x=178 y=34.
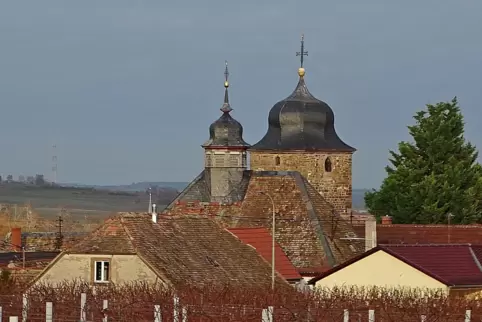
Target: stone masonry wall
x=334 y=186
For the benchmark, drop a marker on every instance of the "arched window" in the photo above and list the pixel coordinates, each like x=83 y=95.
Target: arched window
x=277 y=160
x=328 y=165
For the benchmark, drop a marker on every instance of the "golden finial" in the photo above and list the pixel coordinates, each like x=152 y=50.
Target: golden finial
x=301 y=70
x=226 y=75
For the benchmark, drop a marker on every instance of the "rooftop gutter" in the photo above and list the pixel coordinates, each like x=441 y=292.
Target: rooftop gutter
x=463 y=287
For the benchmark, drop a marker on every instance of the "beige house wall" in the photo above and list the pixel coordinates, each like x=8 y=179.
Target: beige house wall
x=123 y=269
x=382 y=270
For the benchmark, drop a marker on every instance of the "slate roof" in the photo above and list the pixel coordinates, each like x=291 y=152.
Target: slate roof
x=226 y=131
x=309 y=230
x=301 y=122
x=455 y=265
x=181 y=249
x=425 y=234
x=261 y=240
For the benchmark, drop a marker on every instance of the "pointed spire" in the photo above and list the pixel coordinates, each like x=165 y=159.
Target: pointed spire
x=226 y=108
x=301 y=91
x=302 y=53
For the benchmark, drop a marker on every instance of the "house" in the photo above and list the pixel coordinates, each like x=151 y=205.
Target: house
x=172 y=251
x=453 y=268
x=300 y=171
x=388 y=233
x=262 y=241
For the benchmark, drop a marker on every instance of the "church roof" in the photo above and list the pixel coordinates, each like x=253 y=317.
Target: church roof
x=301 y=122
x=226 y=132
x=311 y=233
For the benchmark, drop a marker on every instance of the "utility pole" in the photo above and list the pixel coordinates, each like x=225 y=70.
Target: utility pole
x=59 y=238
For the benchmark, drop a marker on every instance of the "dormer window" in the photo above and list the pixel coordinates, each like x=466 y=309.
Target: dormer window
x=277 y=160
x=328 y=164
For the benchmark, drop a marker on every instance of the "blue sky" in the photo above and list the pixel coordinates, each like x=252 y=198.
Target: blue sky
x=128 y=89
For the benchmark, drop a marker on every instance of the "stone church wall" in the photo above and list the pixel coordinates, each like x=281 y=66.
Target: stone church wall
x=335 y=185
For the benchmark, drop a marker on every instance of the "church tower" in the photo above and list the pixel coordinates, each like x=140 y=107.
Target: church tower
x=225 y=152
x=301 y=137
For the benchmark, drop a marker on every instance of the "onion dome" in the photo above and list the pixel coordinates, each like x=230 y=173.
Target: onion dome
x=301 y=122
x=226 y=132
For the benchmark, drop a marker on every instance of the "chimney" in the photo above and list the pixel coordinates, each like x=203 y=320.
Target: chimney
x=386 y=220
x=16 y=239
x=154 y=214
x=370 y=233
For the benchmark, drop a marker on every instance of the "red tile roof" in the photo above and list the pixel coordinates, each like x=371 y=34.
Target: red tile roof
x=261 y=240
x=456 y=265
x=451 y=264
x=425 y=234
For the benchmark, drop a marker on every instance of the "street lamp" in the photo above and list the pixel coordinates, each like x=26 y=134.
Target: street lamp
x=150 y=200
x=272 y=239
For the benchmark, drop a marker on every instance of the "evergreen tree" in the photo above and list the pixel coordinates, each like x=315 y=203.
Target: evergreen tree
x=435 y=177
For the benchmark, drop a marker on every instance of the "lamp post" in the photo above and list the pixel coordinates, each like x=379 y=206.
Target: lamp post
x=150 y=200
x=272 y=239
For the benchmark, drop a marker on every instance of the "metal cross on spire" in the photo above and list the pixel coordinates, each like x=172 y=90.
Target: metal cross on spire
x=226 y=108
x=302 y=52
x=226 y=74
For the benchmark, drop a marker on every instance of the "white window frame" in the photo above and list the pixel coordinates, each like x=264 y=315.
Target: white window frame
x=102 y=278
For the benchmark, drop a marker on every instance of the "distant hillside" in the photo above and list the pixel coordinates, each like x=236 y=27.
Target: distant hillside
x=133 y=187
x=82 y=200
x=358 y=194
